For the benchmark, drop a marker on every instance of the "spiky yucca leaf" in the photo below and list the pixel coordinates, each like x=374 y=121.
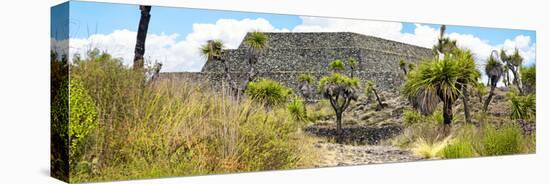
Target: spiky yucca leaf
x=337 y=65
x=256 y=40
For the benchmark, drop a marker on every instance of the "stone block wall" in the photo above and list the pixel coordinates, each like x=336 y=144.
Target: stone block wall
x=290 y=54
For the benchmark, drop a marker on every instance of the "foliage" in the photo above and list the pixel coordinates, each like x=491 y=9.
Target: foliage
x=59 y=115
x=256 y=40
x=83 y=116
x=503 y=141
x=429 y=150
x=433 y=81
x=352 y=63
x=337 y=79
x=522 y=107
x=212 y=49
x=458 y=148
x=297 y=109
x=529 y=78
x=369 y=88
x=493 y=68
x=412 y=117
x=337 y=65
x=305 y=78
x=176 y=128
x=268 y=92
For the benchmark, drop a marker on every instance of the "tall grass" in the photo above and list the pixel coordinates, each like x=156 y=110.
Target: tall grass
x=503 y=141
x=175 y=128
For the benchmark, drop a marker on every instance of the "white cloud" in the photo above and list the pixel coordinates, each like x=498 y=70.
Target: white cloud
x=183 y=55
x=175 y=55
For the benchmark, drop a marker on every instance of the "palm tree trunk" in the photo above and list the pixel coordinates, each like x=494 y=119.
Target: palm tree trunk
x=141 y=36
x=488 y=100
x=465 y=99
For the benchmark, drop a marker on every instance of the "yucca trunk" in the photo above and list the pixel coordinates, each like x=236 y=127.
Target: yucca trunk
x=447 y=112
x=380 y=105
x=517 y=81
x=465 y=100
x=488 y=100
x=141 y=36
x=339 y=125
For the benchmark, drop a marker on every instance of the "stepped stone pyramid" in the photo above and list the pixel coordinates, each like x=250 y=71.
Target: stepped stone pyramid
x=290 y=54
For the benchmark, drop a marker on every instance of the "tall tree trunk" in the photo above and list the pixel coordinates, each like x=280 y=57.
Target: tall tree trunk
x=465 y=100
x=380 y=105
x=141 y=36
x=488 y=100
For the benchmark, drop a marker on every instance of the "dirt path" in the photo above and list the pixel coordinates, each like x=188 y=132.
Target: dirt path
x=344 y=155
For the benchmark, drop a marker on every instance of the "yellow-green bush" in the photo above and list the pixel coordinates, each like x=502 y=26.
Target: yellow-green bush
x=458 y=148
x=297 y=109
x=503 y=141
x=412 y=117
x=83 y=116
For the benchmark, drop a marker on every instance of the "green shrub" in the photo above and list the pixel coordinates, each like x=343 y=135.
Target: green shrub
x=459 y=148
x=297 y=109
x=83 y=116
x=504 y=141
x=305 y=78
x=412 y=116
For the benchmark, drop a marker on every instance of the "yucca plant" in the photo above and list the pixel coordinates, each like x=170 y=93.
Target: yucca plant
x=522 y=107
x=480 y=90
x=444 y=44
x=337 y=66
x=435 y=81
x=529 y=78
x=213 y=51
x=468 y=77
x=297 y=109
x=513 y=62
x=268 y=92
x=340 y=91
x=370 y=89
x=493 y=70
x=256 y=43
x=306 y=89
x=403 y=65
x=353 y=64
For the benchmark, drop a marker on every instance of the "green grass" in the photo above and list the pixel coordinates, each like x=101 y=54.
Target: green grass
x=459 y=148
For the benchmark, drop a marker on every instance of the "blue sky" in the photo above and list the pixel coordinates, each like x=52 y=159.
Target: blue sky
x=175 y=33
x=86 y=20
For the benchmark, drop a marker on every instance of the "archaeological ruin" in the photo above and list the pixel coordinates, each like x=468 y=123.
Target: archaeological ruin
x=290 y=54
